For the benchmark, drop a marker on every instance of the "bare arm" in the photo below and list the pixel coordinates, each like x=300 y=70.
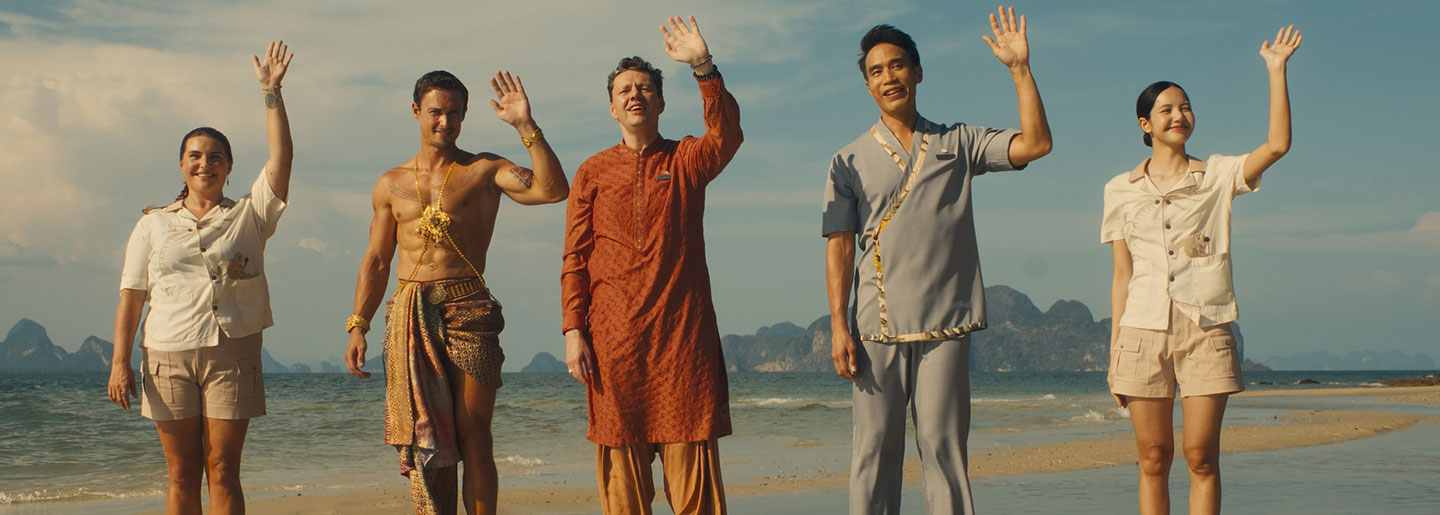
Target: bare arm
x=1124 y=269
x=839 y=276
x=546 y=184
x=271 y=70
x=1287 y=40
x=127 y=320
x=1012 y=48
x=374 y=273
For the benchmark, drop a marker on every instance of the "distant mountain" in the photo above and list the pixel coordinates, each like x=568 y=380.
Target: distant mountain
x=1020 y=337
x=28 y=347
x=544 y=362
x=1356 y=360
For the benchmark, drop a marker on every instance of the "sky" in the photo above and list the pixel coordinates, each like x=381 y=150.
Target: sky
x=1339 y=251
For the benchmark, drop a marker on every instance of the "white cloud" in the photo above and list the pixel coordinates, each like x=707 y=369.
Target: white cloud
x=12 y=254
x=316 y=244
x=1422 y=239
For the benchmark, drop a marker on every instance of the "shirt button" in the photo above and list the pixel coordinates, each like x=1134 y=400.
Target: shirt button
x=212 y=278
x=217 y=308
x=1172 y=278
x=1171 y=253
x=1167 y=226
x=1167 y=201
x=1157 y=201
x=202 y=249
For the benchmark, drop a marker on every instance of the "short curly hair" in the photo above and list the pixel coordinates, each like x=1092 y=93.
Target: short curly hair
x=640 y=65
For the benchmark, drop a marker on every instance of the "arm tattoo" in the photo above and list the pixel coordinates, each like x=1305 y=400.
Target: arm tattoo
x=272 y=100
x=524 y=175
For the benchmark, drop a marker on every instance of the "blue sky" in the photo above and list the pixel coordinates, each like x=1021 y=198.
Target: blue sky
x=1339 y=251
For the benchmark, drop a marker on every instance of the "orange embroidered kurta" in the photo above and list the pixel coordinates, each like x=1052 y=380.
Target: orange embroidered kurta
x=635 y=279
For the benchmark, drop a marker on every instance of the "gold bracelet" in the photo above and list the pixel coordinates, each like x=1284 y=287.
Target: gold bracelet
x=534 y=137
x=357 y=321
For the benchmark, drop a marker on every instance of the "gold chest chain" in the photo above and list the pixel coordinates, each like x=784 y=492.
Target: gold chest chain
x=434 y=224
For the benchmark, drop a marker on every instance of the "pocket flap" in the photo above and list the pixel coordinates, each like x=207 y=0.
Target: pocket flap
x=1222 y=341
x=249 y=366
x=1129 y=341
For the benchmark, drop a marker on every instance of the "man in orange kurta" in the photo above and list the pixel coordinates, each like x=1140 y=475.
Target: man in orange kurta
x=638 y=320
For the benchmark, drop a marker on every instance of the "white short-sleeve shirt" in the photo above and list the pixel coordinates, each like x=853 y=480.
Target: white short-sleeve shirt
x=204 y=274
x=1179 y=241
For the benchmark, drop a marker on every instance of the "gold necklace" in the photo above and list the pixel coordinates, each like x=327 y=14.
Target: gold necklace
x=434 y=224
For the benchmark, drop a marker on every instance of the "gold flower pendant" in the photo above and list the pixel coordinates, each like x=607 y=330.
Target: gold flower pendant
x=434 y=224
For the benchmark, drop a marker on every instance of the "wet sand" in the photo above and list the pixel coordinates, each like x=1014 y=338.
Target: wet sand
x=1292 y=428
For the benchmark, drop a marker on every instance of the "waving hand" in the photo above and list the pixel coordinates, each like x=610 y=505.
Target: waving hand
x=271 y=70
x=1009 y=44
x=684 y=43
x=1287 y=40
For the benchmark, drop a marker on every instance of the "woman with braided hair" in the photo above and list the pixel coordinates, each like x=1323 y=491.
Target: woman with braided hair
x=199 y=262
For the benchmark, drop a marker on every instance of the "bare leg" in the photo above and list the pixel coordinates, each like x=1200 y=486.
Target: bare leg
x=1153 y=419
x=183 y=443
x=1203 y=414
x=474 y=406
x=224 y=439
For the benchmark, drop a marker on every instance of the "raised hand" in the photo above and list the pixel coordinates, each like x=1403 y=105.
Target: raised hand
x=1009 y=44
x=510 y=103
x=684 y=43
x=1287 y=39
x=271 y=70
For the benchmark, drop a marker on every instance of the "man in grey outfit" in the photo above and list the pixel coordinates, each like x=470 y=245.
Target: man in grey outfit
x=901 y=193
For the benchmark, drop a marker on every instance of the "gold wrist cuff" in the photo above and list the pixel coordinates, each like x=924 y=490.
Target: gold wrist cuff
x=534 y=137
x=357 y=321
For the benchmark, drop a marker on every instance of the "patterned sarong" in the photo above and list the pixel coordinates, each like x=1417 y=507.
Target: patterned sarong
x=429 y=324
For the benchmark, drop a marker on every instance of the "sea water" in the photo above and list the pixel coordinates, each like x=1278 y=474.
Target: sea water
x=62 y=440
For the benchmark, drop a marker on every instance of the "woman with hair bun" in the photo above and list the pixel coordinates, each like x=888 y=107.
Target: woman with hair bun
x=1172 y=298
x=200 y=263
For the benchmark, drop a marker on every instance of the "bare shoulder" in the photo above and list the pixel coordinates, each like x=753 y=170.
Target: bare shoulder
x=483 y=161
x=391 y=184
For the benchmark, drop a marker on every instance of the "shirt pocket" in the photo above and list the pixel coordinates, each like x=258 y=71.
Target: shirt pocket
x=250 y=300
x=1210 y=281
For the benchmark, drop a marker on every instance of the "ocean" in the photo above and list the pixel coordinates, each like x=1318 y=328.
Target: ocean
x=62 y=440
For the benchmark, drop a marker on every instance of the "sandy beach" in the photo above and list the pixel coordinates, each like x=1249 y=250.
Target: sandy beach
x=1290 y=429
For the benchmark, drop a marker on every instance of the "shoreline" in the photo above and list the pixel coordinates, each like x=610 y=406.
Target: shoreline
x=1296 y=428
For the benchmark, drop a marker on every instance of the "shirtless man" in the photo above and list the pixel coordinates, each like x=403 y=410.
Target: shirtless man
x=442 y=347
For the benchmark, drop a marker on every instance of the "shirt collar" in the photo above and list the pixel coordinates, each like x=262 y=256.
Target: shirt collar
x=179 y=205
x=922 y=126
x=1138 y=173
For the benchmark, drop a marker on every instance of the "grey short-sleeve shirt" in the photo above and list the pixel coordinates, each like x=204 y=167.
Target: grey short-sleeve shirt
x=929 y=285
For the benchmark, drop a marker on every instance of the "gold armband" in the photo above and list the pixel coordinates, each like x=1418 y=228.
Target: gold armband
x=534 y=137
x=357 y=321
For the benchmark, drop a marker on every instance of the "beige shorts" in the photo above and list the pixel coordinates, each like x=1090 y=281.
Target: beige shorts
x=221 y=382
x=1149 y=363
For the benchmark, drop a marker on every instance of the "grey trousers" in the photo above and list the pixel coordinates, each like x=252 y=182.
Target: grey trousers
x=935 y=377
